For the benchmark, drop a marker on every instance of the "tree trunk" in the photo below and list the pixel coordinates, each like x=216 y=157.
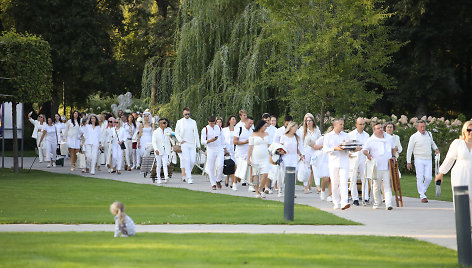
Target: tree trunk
x=322 y=118
x=15 y=138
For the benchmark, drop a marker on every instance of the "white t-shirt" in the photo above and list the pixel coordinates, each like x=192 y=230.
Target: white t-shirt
x=380 y=149
x=241 y=150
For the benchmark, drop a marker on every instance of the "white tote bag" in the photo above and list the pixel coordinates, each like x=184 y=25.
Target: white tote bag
x=81 y=160
x=304 y=171
x=242 y=170
x=64 y=148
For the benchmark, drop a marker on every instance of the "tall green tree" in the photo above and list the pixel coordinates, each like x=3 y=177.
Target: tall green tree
x=26 y=72
x=332 y=54
x=78 y=32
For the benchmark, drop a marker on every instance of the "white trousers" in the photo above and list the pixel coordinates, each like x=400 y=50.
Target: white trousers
x=117 y=155
x=91 y=153
x=162 y=161
x=107 y=149
x=424 y=175
x=214 y=165
x=50 y=150
x=315 y=178
x=339 y=178
x=41 y=150
x=188 y=158
x=382 y=176
x=365 y=185
x=130 y=158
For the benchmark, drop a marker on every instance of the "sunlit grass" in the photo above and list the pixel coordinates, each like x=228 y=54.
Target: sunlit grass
x=42 y=197
x=100 y=249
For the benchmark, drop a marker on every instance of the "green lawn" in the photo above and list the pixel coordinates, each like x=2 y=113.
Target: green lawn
x=409 y=188
x=100 y=249
x=42 y=197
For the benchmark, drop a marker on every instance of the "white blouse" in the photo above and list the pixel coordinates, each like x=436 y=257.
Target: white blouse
x=461 y=173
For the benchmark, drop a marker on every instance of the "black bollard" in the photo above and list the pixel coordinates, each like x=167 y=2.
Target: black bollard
x=289 y=195
x=462 y=210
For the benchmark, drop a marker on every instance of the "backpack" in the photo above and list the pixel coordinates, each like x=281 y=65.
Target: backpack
x=229 y=167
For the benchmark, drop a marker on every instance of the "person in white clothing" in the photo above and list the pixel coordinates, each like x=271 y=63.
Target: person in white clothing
x=310 y=133
x=420 y=145
x=212 y=138
x=321 y=164
x=93 y=142
x=241 y=140
x=381 y=148
x=50 y=137
x=107 y=135
x=338 y=164
x=270 y=128
x=258 y=157
x=186 y=132
x=162 y=149
x=294 y=146
x=39 y=126
x=60 y=127
x=228 y=134
x=130 y=153
x=144 y=136
x=357 y=163
x=459 y=155
x=71 y=135
x=242 y=117
x=118 y=138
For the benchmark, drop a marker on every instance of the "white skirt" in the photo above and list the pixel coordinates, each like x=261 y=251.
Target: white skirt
x=73 y=143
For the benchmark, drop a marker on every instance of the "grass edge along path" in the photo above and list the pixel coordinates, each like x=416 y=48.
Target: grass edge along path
x=43 y=197
x=99 y=249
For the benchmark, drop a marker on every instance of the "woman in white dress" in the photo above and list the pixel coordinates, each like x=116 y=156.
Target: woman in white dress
x=71 y=135
x=228 y=134
x=49 y=137
x=459 y=152
x=322 y=168
x=39 y=126
x=258 y=157
x=310 y=134
x=93 y=142
x=293 y=144
x=117 y=138
x=107 y=139
x=145 y=136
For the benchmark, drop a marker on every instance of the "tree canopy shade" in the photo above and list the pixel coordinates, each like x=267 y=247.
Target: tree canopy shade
x=78 y=32
x=26 y=61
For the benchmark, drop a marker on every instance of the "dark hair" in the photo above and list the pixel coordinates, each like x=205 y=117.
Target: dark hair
x=229 y=119
x=211 y=119
x=96 y=120
x=72 y=117
x=55 y=117
x=186 y=109
x=391 y=123
x=288 y=118
x=132 y=121
x=250 y=118
x=259 y=125
x=265 y=116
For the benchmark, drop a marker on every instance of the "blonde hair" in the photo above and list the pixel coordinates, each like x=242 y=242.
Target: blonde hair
x=118 y=209
x=330 y=128
x=305 y=125
x=464 y=129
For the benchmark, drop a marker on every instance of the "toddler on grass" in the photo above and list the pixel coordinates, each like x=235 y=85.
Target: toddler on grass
x=124 y=225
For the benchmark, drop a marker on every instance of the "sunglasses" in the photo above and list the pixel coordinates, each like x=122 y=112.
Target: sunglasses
x=187 y=114
x=469 y=130
x=164 y=123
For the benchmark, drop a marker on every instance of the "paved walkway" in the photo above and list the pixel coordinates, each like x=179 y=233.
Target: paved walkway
x=433 y=222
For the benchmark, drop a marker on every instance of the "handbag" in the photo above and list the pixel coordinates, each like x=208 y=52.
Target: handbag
x=64 y=148
x=201 y=157
x=177 y=148
x=304 y=171
x=81 y=160
x=229 y=167
x=123 y=146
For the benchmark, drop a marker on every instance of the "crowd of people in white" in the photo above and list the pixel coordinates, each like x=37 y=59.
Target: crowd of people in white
x=257 y=153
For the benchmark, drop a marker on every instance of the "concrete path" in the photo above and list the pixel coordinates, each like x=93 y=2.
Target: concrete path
x=433 y=222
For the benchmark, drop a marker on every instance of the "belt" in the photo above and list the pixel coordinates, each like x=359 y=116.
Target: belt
x=129 y=139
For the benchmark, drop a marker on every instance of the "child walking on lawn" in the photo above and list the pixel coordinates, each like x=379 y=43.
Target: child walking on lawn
x=124 y=225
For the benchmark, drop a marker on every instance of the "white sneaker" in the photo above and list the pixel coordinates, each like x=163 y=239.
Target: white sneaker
x=251 y=189
x=53 y=164
x=166 y=180
x=270 y=191
x=375 y=207
x=323 y=196
x=159 y=181
x=235 y=186
x=263 y=195
x=190 y=181
x=337 y=207
x=258 y=196
x=49 y=165
x=280 y=194
x=329 y=199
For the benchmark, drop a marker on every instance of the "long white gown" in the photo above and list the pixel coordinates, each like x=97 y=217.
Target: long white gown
x=461 y=174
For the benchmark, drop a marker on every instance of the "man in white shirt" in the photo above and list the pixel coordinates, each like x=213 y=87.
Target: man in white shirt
x=357 y=163
x=186 y=133
x=381 y=148
x=242 y=117
x=241 y=140
x=212 y=138
x=161 y=146
x=270 y=129
x=338 y=164
x=420 y=145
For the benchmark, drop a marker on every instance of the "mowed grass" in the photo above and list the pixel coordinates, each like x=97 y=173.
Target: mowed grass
x=409 y=188
x=42 y=197
x=100 y=249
